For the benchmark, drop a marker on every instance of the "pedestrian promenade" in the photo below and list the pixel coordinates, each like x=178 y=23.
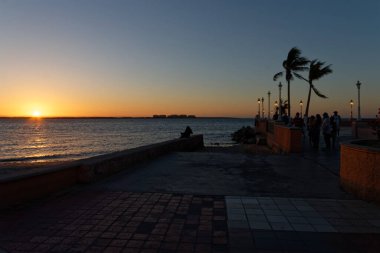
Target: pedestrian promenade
x=214 y=200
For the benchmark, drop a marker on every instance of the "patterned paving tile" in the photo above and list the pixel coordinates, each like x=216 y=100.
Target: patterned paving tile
x=313 y=215
x=162 y=222
x=119 y=221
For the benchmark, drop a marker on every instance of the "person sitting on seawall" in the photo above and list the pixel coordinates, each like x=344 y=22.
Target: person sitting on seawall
x=187 y=132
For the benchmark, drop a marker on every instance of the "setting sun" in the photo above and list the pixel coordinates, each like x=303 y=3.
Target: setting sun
x=36 y=114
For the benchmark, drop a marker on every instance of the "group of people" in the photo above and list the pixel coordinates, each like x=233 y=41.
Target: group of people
x=328 y=125
x=314 y=125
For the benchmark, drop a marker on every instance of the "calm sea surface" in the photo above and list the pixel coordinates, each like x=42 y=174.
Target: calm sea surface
x=44 y=140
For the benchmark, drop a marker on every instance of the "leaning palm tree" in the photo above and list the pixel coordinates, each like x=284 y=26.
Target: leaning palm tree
x=293 y=63
x=316 y=71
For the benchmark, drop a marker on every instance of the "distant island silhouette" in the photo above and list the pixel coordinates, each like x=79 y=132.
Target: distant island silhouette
x=173 y=116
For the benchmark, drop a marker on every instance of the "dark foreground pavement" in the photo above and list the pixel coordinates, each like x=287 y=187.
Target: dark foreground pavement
x=107 y=221
x=210 y=201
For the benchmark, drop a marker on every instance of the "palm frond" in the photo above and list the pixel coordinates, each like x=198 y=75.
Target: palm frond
x=276 y=76
x=302 y=61
x=317 y=92
x=295 y=61
x=294 y=53
x=300 y=77
x=317 y=70
x=327 y=70
x=300 y=68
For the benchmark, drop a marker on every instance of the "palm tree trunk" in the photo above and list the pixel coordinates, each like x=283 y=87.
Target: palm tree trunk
x=289 y=99
x=308 y=100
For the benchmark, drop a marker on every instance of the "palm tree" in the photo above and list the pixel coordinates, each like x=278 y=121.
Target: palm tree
x=293 y=63
x=316 y=71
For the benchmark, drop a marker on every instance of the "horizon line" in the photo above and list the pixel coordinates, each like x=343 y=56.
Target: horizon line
x=118 y=117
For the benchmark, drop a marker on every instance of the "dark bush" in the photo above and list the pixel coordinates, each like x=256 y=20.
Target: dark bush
x=244 y=135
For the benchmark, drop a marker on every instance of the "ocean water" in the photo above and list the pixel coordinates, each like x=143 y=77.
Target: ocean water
x=45 y=140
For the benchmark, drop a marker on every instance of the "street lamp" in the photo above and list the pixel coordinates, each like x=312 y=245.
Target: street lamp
x=279 y=100
x=301 y=104
x=358 y=85
x=268 y=105
x=276 y=109
x=258 y=102
x=351 y=104
x=262 y=106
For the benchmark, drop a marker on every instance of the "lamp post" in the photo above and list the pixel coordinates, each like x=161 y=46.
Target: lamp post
x=268 y=104
x=358 y=85
x=262 y=107
x=301 y=104
x=258 y=102
x=351 y=104
x=275 y=109
x=279 y=100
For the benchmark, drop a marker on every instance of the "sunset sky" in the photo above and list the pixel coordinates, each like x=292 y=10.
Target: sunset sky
x=208 y=58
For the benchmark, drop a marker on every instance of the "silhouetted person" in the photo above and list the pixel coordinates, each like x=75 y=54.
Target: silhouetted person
x=315 y=131
x=311 y=129
x=334 y=131
x=326 y=130
x=275 y=116
x=187 y=132
x=298 y=121
x=285 y=119
x=337 y=122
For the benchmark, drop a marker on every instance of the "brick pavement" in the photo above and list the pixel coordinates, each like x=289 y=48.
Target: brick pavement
x=118 y=222
x=108 y=221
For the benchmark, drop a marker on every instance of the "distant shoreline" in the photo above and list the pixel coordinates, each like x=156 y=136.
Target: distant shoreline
x=155 y=118
x=169 y=118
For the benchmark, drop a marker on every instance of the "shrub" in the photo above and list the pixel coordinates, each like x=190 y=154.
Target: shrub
x=244 y=135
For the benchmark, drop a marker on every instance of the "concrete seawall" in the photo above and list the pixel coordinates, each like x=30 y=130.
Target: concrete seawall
x=37 y=183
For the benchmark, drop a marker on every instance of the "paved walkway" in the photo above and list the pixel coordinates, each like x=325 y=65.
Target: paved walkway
x=160 y=222
x=210 y=201
x=303 y=215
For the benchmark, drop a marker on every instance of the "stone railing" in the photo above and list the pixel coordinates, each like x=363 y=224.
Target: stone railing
x=281 y=138
x=361 y=130
x=37 y=183
x=360 y=168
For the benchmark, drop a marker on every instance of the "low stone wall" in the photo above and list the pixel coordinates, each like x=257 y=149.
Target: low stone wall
x=363 y=130
x=285 y=139
x=360 y=170
x=37 y=183
x=281 y=138
x=261 y=127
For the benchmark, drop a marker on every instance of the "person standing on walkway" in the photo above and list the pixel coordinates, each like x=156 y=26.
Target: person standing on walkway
x=333 y=131
x=337 y=122
x=316 y=131
x=298 y=121
x=326 y=130
x=311 y=129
